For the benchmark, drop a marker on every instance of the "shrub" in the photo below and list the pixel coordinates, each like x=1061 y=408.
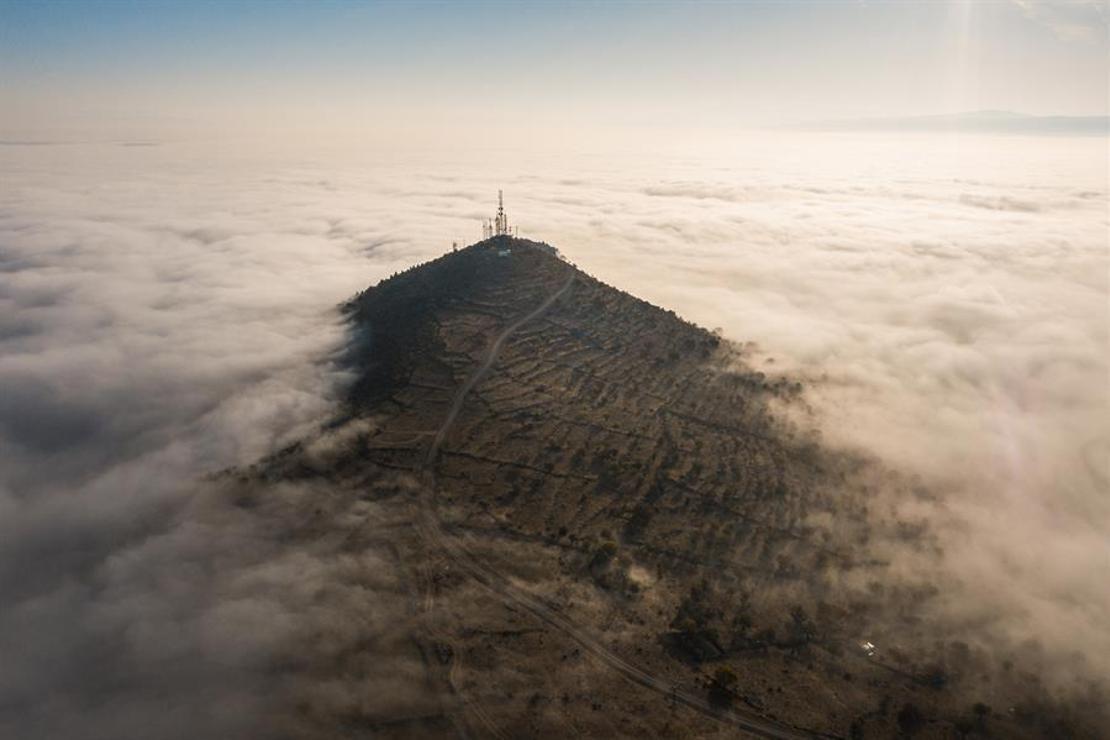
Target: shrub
x=605 y=552
x=722 y=687
x=910 y=719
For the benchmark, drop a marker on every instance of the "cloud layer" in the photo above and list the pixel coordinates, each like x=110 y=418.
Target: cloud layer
x=168 y=311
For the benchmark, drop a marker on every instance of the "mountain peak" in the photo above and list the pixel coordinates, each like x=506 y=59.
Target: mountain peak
x=424 y=310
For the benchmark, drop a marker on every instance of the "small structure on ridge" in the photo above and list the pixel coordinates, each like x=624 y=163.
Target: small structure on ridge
x=499 y=224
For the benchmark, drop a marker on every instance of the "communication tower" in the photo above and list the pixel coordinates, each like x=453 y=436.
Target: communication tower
x=499 y=224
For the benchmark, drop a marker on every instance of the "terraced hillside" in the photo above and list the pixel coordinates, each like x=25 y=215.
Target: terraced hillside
x=595 y=418
x=600 y=529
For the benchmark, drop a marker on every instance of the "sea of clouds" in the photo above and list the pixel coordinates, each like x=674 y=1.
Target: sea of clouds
x=167 y=311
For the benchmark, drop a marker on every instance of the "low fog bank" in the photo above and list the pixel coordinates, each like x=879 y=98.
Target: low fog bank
x=168 y=311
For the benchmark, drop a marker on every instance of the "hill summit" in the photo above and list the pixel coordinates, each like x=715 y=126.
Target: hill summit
x=437 y=313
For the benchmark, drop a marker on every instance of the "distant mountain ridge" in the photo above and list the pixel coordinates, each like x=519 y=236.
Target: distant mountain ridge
x=984 y=121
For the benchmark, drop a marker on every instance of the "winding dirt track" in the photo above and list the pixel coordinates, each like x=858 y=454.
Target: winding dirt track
x=429 y=527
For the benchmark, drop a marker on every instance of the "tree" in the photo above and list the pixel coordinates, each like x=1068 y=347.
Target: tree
x=604 y=554
x=722 y=687
x=981 y=712
x=910 y=719
x=801 y=628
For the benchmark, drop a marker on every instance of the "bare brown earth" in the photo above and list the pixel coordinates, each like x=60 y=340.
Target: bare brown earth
x=605 y=533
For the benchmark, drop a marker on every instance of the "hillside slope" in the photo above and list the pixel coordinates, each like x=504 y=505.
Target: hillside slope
x=607 y=532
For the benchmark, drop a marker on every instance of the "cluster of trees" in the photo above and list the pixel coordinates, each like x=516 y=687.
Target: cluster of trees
x=702 y=631
x=694 y=628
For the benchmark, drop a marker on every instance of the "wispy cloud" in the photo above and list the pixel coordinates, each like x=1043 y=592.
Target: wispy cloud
x=1070 y=20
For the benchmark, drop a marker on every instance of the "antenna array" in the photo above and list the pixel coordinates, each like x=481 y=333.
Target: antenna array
x=499 y=225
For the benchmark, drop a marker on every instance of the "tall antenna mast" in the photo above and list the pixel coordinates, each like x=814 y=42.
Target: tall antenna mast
x=499 y=226
x=502 y=225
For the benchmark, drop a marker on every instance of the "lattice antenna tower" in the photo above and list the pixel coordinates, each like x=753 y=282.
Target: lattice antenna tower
x=499 y=224
x=502 y=224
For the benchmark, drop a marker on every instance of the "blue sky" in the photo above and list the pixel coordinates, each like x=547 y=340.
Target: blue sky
x=716 y=64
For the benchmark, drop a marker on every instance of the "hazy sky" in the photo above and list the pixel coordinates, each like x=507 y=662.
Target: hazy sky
x=167 y=68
